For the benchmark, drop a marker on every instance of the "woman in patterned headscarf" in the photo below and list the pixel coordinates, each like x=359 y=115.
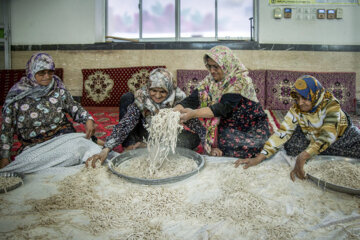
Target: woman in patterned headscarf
x=136 y=112
x=315 y=124
x=35 y=108
x=227 y=104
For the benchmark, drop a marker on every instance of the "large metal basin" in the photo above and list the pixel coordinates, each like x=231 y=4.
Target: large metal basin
x=332 y=186
x=125 y=156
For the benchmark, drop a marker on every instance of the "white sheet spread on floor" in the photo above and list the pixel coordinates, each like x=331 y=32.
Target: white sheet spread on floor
x=62 y=151
x=221 y=202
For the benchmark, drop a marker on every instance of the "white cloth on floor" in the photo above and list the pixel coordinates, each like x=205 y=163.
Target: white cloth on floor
x=62 y=151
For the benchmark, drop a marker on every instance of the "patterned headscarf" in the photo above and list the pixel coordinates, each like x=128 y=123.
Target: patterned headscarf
x=236 y=80
x=311 y=89
x=159 y=78
x=27 y=86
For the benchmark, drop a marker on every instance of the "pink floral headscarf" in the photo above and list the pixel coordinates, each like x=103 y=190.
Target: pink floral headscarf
x=236 y=80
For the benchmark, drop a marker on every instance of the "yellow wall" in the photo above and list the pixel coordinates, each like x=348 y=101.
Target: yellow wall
x=73 y=61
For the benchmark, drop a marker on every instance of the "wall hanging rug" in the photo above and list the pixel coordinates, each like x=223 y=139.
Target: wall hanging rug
x=279 y=83
x=104 y=87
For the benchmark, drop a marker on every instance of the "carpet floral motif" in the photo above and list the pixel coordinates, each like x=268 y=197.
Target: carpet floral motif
x=279 y=83
x=138 y=80
x=109 y=96
x=98 y=86
x=281 y=91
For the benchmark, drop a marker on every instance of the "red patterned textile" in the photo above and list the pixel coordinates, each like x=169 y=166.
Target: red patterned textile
x=279 y=83
x=104 y=87
x=105 y=119
x=259 y=80
x=9 y=77
x=187 y=80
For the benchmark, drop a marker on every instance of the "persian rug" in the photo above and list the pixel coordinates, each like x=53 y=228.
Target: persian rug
x=104 y=87
x=11 y=76
x=279 y=83
x=187 y=80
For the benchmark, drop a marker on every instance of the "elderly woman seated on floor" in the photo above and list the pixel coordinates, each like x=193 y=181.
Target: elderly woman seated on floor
x=136 y=112
x=226 y=102
x=35 y=110
x=315 y=124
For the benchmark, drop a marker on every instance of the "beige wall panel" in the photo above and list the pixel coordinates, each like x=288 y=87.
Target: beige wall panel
x=73 y=61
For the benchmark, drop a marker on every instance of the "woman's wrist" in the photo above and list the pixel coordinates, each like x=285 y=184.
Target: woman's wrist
x=106 y=149
x=261 y=157
x=178 y=107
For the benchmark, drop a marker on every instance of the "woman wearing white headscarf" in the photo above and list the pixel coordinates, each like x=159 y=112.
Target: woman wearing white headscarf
x=160 y=92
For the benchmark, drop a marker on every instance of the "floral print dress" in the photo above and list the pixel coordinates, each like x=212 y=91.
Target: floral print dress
x=239 y=120
x=245 y=132
x=37 y=120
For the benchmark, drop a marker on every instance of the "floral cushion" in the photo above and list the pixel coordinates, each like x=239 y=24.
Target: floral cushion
x=104 y=87
x=279 y=83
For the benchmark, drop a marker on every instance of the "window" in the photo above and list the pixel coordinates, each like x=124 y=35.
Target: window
x=179 y=19
x=197 y=20
x=158 y=19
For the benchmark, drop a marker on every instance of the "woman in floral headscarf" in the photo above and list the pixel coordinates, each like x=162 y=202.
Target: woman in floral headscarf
x=136 y=112
x=227 y=104
x=315 y=124
x=35 y=109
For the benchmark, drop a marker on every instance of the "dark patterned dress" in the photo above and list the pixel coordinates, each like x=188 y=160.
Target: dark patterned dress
x=243 y=128
x=37 y=120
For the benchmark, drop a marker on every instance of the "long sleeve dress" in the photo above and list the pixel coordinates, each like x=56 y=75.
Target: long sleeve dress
x=328 y=131
x=37 y=120
x=243 y=128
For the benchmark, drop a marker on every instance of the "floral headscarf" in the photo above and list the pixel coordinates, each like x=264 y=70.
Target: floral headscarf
x=311 y=89
x=236 y=80
x=27 y=86
x=159 y=78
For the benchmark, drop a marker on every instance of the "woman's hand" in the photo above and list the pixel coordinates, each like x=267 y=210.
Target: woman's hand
x=216 y=152
x=89 y=128
x=4 y=162
x=178 y=108
x=101 y=156
x=135 y=146
x=299 y=166
x=186 y=114
x=249 y=162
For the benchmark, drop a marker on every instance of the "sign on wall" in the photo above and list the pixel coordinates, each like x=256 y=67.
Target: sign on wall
x=300 y=2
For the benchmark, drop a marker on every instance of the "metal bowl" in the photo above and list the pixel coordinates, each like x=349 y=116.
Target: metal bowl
x=332 y=186
x=9 y=175
x=125 y=156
